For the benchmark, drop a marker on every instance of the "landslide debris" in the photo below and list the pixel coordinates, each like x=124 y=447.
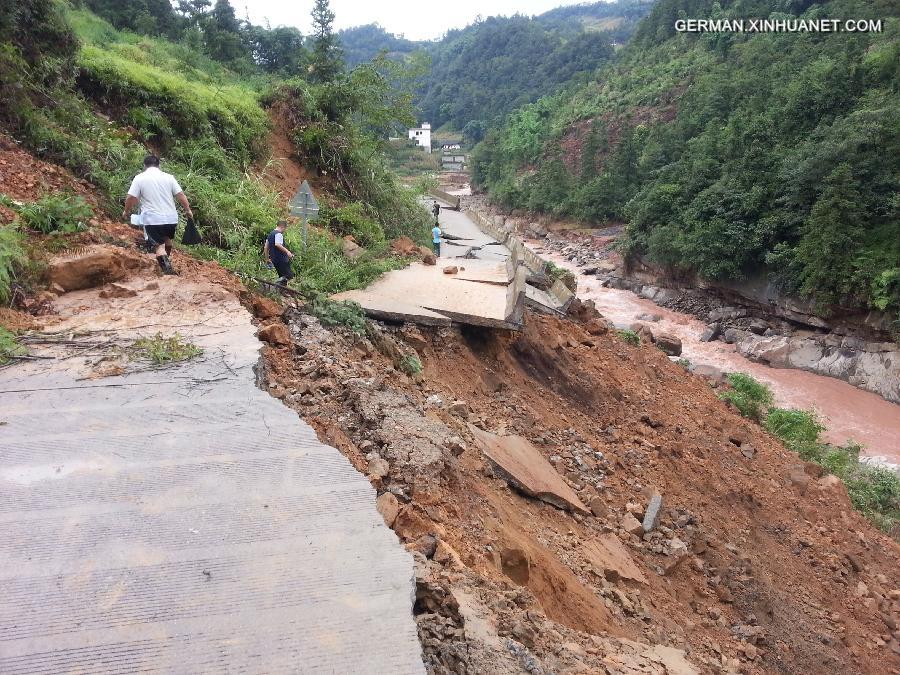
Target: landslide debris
x=693 y=556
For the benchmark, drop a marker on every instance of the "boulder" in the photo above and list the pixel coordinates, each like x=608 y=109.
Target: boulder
x=643 y=331
x=378 y=468
x=758 y=326
x=265 y=308
x=404 y=246
x=452 y=269
x=86 y=269
x=631 y=524
x=668 y=343
x=429 y=259
x=712 y=331
x=388 y=507
x=351 y=249
x=276 y=335
x=653 y=513
x=597 y=327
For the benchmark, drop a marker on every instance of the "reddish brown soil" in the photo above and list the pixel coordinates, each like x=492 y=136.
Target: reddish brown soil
x=775 y=553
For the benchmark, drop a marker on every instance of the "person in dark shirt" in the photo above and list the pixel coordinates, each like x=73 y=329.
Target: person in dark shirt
x=278 y=254
x=436 y=210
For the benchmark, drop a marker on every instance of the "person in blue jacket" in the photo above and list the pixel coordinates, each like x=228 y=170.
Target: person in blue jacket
x=278 y=254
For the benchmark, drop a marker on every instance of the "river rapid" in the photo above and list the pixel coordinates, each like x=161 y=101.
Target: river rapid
x=846 y=412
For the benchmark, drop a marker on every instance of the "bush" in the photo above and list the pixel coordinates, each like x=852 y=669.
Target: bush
x=630 y=337
x=345 y=313
x=799 y=429
x=874 y=491
x=411 y=365
x=12 y=258
x=162 y=350
x=9 y=346
x=66 y=214
x=750 y=397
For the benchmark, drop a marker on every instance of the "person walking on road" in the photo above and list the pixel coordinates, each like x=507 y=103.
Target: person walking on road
x=436 y=210
x=436 y=240
x=278 y=254
x=156 y=191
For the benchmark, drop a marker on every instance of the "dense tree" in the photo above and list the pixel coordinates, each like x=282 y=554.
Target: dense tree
x=326 y=60
x=222 y=34
x=729 y=154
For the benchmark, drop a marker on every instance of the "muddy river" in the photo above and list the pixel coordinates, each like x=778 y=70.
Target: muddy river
x=848 y=413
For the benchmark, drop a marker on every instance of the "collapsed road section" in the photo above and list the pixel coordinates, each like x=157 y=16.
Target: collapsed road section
x=180 y=519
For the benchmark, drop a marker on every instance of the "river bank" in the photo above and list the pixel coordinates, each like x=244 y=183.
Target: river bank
x=847 y=412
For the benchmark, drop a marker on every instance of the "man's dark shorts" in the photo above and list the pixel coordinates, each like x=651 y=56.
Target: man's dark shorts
x=159 y=233
x=283 y=267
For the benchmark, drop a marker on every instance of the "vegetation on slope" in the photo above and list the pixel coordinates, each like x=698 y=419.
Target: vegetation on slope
x=873 y=490
x=80 y=92
x=730 y=153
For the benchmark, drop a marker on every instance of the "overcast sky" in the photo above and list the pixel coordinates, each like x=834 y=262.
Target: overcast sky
x=415 y=20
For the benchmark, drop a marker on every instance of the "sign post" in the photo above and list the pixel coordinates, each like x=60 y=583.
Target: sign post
x=304 y=204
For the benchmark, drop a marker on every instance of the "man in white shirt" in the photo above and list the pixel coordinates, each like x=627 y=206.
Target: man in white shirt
x=156 y=191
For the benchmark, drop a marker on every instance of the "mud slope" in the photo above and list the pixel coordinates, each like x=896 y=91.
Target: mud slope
x=759 y=564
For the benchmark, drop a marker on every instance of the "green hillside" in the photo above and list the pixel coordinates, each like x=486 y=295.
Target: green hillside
x=79 y=91
x=481 y=72
x=730 y=153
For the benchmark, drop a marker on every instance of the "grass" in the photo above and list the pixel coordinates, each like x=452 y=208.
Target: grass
x=344 y=313
x=12 y=258
x=750 y=397
x=629 y=336
x=9 y=346
x=162 y=350
x=65 y=214
x=874 y=491
x=411 y=365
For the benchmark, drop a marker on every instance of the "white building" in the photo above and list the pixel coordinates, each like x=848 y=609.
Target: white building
x=422 y=136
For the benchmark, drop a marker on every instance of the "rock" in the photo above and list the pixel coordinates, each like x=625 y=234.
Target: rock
x=597 y=327
x=798 y=478
x=460 y=409
x=456 y=445
x=674 y=561
x=631 y=524
x=429 y=259
x=118 y=291
x=748 y=451
x=388 y=507
x=653 y=318
x=277 y=335
x=611 y=560
x=758 y=326
x=86 y=269
x=669 y=344
x=404 y=246
x=861 y=591
x=378 y=468
x=351 y=249
x=452 y=269
x=733 y=335
x=653 y=513
x=713 y=331
x=265 y=308
x=524 y=633
x=426 y=545
x=710 y=373
x=446 y=555
x=59 y=290
x=598 y=507
x=514 y=564
x=152 y=286
x=643 y=331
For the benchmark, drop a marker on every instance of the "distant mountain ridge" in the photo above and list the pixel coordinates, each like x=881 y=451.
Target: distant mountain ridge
x=481 y=72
